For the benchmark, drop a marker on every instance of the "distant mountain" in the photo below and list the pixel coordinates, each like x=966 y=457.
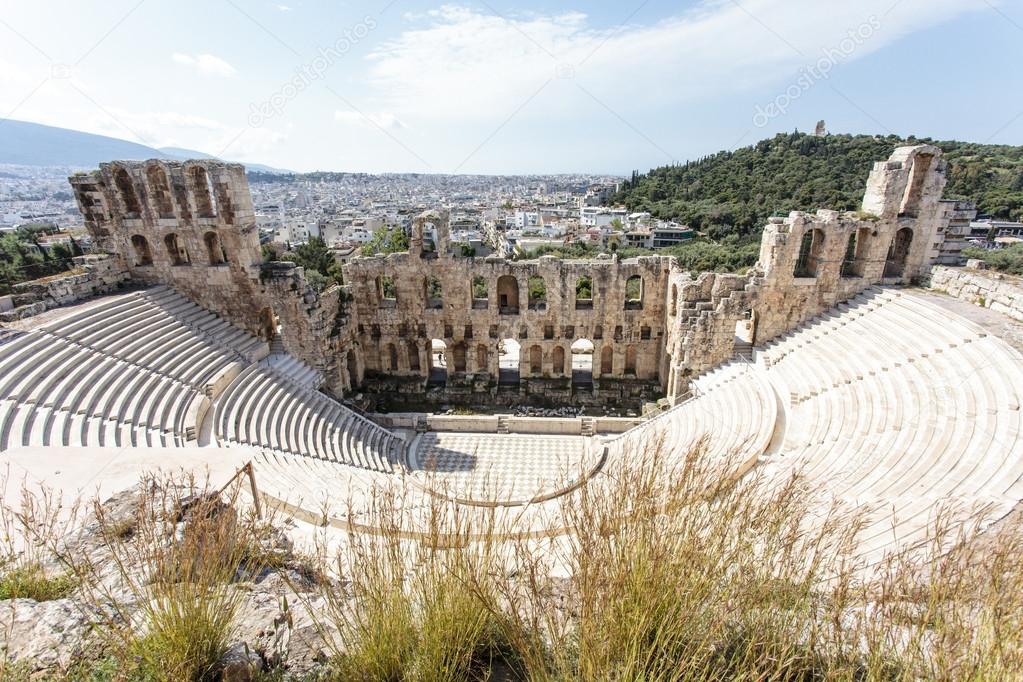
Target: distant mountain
x=33 y=144
x=182 y=154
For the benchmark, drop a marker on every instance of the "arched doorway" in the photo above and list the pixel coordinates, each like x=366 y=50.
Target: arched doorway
x=508 y=361
x=582 y=363
x=438 y=362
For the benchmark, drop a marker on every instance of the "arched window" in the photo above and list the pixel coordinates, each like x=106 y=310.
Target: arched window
x=535 y=361
x=202 y=190
x=143 y=256
x=537 y=293
x=810 y=250
x=584 y=293
x=458 y=357
x=674 y=300
x=606 y=361
x=898 y=253
x=413 y=356
x=176 y=252
x=386 y=292
x=127 y=191
x=634 y=293
x=558 y=361
x=215 y=253
x=598 y=332
x=433 y=292
x=392 y=357
x=159 y=190
x=630 y=360
x=508 y=295
x=849 y=259
x=480 y=293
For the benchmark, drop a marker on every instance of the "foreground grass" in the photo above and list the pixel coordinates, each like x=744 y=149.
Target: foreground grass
x=675 y=569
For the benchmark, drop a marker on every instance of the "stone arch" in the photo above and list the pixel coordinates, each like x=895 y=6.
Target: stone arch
x=606 y=361
x=159 y=190
x=508 y=295
x=536 y=289
x=584 y=293
x=202 y=190
x=391 y=355
x=535 y=361
x=558 y=361
x=634 y=293
x=898 y=253
x=175 y=250
x=412 y=348
x=810 y=249
x=630 y=360
x=674 y=300
x=215 y=253
x=126 y=188
x=143 y=256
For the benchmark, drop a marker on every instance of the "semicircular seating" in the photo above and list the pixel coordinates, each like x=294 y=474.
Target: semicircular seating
x=266 y=409
x=131 y=370
x=903 y=411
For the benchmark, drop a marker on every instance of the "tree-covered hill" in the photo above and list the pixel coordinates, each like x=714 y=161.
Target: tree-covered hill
x=733 y=193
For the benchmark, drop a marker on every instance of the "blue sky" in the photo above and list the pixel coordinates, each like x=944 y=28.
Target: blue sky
x=502 y=87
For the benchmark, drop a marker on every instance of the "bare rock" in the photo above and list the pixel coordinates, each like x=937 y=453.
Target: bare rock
x=48 y=634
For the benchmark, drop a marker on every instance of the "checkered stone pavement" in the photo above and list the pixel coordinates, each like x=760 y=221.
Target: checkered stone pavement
x=500 y=467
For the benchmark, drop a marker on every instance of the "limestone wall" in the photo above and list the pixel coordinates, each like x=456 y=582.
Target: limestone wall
x=808 y=263
x=90 y=276
x=187 y=224
x=999 y=292
x=406 y=300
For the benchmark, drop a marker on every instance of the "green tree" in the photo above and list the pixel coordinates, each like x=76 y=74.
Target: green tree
x=386 y=240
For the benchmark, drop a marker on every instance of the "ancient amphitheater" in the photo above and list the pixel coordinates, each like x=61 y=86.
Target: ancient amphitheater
x=825 y=359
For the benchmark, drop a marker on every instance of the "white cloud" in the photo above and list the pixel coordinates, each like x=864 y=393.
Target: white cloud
x=466 y=64
x=283 y=8
x=383 y=119
x=206 y=64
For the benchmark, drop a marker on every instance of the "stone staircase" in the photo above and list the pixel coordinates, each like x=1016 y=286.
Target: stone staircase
x=502 y=423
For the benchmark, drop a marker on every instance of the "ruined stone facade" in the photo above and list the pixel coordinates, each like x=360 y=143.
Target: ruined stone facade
x=429 y=322
x=405 y=302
